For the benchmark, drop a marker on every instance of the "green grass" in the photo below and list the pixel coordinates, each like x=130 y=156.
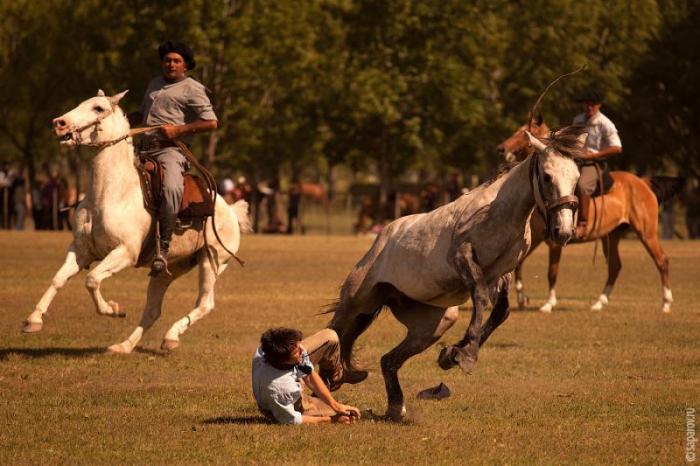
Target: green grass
x=571 y=387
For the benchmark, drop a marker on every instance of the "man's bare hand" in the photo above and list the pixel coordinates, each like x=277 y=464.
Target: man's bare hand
x=170 y=131
x=348 y=410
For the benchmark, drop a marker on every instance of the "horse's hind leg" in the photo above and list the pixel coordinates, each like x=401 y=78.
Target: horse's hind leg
x=353 y=315
x=71 y=266
x=611 y=249
x=650 y=240
x=157 y=286
x=425 y=324
x=117 y=260
x=204 y=304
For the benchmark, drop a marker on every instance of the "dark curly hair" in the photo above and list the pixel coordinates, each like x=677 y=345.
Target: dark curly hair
x=278 y=344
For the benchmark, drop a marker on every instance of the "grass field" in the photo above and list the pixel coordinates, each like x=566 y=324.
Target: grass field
x=572 y=387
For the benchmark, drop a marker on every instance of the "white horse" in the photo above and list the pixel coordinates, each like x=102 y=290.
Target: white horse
x=113 y=226
x=422 y=266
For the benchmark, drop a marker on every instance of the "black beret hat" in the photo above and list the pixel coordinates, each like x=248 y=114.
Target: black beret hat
x=590 y=95
x=178 y=47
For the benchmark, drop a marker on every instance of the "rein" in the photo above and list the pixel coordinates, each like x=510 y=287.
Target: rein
x=206 y=174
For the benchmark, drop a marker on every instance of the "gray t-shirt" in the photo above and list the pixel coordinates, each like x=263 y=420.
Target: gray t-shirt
x=177 y=103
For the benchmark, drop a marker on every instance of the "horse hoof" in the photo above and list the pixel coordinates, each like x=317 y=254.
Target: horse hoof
x=446 y=358
x=466 y=363
x=115 y=310
x=666 y=309
x=598 y=306
x=396 y=413
x=32 y=327
x=169 y=345
x=546 y=308
x=117 y=349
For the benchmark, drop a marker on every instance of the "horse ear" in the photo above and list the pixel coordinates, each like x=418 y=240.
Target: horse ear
x=537 y=144
x=117 y=97
x=100 y=93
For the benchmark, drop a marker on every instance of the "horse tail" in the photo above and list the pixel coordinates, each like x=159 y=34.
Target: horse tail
x=666 y=187
x=240 y=208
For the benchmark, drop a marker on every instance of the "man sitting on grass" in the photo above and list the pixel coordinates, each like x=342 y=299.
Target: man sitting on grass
x=282 y=360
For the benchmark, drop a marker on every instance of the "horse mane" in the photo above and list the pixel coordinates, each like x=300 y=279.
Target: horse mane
x=566 y=141
x=503 y=169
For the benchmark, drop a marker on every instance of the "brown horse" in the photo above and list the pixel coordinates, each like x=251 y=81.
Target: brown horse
x=631 y=202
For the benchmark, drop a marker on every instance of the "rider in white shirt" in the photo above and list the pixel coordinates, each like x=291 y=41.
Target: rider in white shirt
x=602 y=142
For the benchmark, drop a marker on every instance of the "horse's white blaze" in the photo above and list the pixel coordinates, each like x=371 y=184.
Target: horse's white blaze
x=112 y=224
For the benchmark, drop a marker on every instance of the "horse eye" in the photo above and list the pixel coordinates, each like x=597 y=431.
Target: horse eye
x=547 y=178
x=98 y=109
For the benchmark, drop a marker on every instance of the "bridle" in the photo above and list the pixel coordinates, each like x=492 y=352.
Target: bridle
x=75 y=132
x=547 y=208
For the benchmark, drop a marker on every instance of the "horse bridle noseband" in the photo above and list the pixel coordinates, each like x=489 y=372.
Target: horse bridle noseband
x=75 y=132
x=549 y=208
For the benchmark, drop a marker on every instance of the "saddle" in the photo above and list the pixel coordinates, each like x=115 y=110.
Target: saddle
x=197 y=200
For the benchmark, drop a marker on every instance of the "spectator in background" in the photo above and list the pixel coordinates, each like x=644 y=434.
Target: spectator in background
x=18 y=194
x=54 y=197
x=293 y=208
x=454 y=187
x=227 y=190
x=37 y=206
x=5 y=183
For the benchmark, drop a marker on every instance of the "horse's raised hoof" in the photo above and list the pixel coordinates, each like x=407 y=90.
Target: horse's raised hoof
x=119 y=348
x=466 y=362
x=32 y=327
x=115 y=310
x=446 y=359
x=169 y=345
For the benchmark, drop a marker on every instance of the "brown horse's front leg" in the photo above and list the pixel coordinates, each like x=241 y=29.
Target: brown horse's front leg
x=466 y=352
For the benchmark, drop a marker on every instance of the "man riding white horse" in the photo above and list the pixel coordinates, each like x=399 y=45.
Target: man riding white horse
x=180 y=104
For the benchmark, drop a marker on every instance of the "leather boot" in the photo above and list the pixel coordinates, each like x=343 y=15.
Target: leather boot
x=584 y=201
x=160 y=262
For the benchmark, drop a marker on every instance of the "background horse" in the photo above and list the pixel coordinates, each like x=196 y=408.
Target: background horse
x=423 y=266
x=113 y=226
x=631 y=202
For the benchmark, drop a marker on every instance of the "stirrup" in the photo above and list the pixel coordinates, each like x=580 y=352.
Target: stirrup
x=159 y=265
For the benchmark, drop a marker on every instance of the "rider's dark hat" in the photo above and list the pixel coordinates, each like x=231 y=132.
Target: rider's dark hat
x=178 y=47
x=590 y=95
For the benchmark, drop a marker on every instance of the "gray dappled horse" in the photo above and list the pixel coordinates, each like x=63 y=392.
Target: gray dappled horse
x=422 y=266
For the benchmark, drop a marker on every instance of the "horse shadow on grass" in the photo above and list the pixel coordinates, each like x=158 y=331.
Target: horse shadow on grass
x=35 y=353
x=5 y=353
x=237 y=420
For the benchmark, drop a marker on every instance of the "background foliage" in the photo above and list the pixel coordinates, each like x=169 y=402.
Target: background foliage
x=375 y=85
